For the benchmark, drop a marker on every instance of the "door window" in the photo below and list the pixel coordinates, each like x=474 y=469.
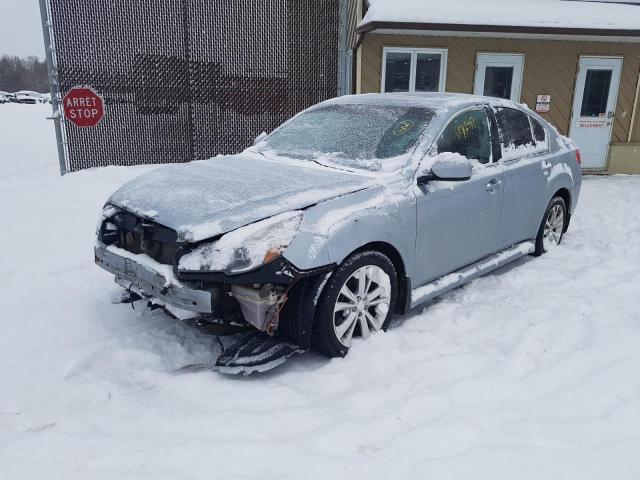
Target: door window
x=497 y=82
x=413 y=69
x=596 y=93
x=468 y=135
x=516 y=137
x=539 y=133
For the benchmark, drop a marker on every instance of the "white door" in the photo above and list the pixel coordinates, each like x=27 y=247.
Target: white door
x=594 y=106
x=499 y=75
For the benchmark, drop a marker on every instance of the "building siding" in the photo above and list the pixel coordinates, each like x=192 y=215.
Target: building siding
x=550 y=68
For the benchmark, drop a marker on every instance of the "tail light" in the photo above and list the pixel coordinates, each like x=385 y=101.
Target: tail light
x=578 y=157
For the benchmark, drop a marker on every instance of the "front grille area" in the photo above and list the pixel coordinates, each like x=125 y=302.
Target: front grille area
x=138 y=235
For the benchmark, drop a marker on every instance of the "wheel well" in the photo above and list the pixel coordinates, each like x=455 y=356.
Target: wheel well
x=404 y=285
x=566 y=196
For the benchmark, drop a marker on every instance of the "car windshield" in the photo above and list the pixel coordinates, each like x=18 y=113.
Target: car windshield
x=369 y=137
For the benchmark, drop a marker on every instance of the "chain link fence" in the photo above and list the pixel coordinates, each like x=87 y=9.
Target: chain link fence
x=189 y=79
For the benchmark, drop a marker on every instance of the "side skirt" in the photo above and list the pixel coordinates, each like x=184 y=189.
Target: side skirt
x=456 y=279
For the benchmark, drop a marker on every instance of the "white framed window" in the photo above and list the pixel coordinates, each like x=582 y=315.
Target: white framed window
x=499 y=75
x=413 y=69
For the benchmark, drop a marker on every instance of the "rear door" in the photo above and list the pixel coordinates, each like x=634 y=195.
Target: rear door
x=458 y=222
x=525 y=165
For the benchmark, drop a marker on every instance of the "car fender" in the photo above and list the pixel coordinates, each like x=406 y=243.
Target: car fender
x=332 y=230
x=563 y=176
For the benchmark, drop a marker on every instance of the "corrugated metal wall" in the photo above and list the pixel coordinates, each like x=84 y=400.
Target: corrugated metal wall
x=550 y=68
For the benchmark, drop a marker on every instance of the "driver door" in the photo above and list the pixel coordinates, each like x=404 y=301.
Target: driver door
x=458 y=222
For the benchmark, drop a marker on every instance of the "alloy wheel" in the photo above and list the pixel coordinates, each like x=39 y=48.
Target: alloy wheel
x=553 y=227
x=362 y=304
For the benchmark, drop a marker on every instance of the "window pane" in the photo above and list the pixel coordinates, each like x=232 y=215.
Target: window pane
x=497 y=82
x=514 y=128
x=468 y=135
x=398 y=70
x=538 y=131
x=428 y=72
x=596 y=93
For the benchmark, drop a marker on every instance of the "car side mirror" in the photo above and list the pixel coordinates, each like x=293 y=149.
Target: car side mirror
x=259 y=138
x=448 y=168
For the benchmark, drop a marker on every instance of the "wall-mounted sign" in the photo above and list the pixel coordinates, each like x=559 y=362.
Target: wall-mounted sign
x=594 y=122
x=543 y=103
x=83 y=107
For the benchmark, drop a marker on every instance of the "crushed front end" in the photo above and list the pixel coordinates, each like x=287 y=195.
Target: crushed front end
x=145 y=258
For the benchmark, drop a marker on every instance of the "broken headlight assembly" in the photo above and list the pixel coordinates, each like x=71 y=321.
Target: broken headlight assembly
x=244 y=249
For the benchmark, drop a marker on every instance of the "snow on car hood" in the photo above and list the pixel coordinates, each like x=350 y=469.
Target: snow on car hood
x=206 y=198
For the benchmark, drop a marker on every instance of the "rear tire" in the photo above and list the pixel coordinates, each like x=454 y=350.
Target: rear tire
x=552 y=227
x=358 y=299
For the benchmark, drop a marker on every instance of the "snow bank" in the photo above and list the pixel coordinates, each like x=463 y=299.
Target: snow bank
x=528 y=374
x=522 y=13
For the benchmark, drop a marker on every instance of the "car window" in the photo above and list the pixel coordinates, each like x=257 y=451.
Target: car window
x=468 y=135
x=516 y=137
x=539 y=133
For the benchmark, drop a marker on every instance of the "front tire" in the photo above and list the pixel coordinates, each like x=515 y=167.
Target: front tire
x=552 y=227
x=358 y=299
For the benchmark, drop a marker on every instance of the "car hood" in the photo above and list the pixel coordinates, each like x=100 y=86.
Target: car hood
x=202 y=199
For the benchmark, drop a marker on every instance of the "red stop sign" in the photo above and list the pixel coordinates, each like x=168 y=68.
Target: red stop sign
x=83 y=107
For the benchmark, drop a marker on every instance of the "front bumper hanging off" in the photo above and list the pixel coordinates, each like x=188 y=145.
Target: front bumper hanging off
x=155 y=281
x=252 y=352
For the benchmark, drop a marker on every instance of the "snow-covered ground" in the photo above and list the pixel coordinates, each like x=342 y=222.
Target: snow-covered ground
x=530 y=373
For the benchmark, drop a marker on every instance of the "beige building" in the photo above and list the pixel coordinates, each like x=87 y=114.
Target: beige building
x=577 y=63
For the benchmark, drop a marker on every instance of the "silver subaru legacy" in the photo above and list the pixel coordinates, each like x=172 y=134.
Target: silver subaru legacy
x=354 y=210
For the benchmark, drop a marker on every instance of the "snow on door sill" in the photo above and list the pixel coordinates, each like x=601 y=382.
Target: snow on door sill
x=465 y=275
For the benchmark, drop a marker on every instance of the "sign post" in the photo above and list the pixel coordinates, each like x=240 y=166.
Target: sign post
x=83 y=107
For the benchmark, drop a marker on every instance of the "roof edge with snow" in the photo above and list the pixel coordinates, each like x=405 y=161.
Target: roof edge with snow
x=542 y=17
x=516 y=29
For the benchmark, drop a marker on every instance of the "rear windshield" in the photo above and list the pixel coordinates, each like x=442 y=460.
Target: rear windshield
x=369 y=137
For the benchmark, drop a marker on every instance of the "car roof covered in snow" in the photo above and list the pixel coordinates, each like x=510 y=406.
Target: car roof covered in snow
x=561 y=16
x=436 y=101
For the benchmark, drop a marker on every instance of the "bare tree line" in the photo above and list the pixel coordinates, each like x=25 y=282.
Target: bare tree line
x=17 y=73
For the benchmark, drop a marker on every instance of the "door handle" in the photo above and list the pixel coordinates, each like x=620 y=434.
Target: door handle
x=493 y=186
x=546 y=166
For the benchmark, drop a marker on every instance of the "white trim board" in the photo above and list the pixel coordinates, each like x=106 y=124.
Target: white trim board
x=529 y=36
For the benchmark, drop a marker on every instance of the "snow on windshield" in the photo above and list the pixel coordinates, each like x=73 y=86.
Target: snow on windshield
x=369 y=137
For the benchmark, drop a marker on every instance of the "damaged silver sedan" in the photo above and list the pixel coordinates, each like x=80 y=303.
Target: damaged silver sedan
x=354 y=210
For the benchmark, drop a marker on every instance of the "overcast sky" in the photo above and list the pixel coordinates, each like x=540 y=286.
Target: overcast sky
x=20 y=28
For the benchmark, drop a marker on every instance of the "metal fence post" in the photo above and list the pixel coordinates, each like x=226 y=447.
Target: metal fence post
x=53 y=83
x=343 y=16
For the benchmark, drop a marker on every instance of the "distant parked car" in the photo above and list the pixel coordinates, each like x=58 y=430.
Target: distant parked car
x=8 y=97
x=3 y=98
x=357 y=208
x=27 y=96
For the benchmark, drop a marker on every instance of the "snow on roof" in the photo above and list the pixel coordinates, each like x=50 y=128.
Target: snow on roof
x=436 y=100
x=552 y=14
